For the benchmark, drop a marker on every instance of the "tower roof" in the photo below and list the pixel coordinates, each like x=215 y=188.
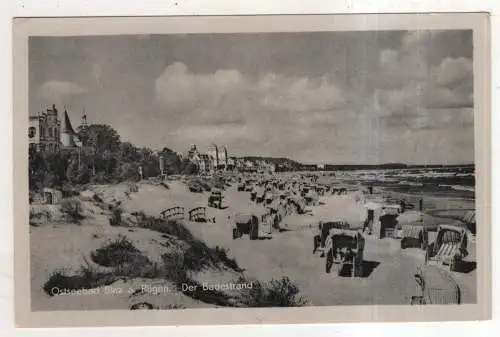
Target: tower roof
x=66 y=126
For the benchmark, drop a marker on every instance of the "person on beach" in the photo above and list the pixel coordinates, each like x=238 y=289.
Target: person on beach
x=140 y=173
x=269 y=226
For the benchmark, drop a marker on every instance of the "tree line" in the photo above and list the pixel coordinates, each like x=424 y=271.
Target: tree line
x=102 y=158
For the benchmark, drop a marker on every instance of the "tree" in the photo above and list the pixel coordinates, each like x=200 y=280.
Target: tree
x=103 y=158
x=188 y=167
x=78 y=170
x=171 y=161
x=129 y=171
x=100 y=137
x=129 y=153
x=149 y=162
x=48 y=169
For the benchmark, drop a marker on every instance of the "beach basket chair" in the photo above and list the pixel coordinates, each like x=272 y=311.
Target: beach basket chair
x=324 y=228
x=449 y=248
x=245 y=223
x=414 y=235
x=435 y=286
x=345 y=248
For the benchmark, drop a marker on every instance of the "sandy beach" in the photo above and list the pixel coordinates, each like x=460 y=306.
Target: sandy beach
x=388 y=271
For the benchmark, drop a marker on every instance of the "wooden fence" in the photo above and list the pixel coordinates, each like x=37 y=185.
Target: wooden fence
x=174 y=213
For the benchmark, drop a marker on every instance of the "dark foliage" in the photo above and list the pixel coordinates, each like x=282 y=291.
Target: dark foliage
x=87 y=278
x=275 y=293
x=102 y=159
x=175 y=270
x=73 y=210
x=116 y=253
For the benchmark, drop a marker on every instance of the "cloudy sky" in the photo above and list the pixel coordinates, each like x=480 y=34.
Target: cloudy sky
x=335 y=97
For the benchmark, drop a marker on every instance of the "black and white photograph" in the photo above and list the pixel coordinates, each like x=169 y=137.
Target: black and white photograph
x=252 y=170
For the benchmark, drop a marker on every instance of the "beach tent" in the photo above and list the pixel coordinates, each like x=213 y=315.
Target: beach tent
x=417 y=218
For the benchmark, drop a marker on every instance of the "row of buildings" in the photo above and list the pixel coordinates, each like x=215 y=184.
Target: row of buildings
x=258 y=165
x=216 y=158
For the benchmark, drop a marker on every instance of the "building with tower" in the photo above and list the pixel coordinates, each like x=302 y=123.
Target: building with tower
x=50 y=132
x=213 y=154
x=215 y=159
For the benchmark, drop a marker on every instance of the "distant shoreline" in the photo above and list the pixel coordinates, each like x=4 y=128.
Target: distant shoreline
x=285 y=164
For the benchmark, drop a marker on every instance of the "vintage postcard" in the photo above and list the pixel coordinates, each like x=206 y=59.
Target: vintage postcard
x=272 y=169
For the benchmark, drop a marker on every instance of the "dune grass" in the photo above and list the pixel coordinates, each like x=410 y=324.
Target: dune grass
x=72 y=209
x=281 y=292
x=86 y=278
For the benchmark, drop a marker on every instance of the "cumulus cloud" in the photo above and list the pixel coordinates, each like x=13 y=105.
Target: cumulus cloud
x=58 y=90
x=205 y=98
x=299 y=94
x=422 y=55
x=417 y=94
x=228 y=89
x=454 y=71
x=267 y=110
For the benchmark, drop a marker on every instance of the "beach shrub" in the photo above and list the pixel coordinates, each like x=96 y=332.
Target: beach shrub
x=170 y=227
x=139 y=267
x=173 y=265
x=87 y=278
x=116 y=215
x=193 y=258
x=37 y=215
x=209 y=296
x=222 y=255
x=115 y=253
x=126 y=259
x=72 y=209
x=198 y=256
x=175 y=270
x=275 y=293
